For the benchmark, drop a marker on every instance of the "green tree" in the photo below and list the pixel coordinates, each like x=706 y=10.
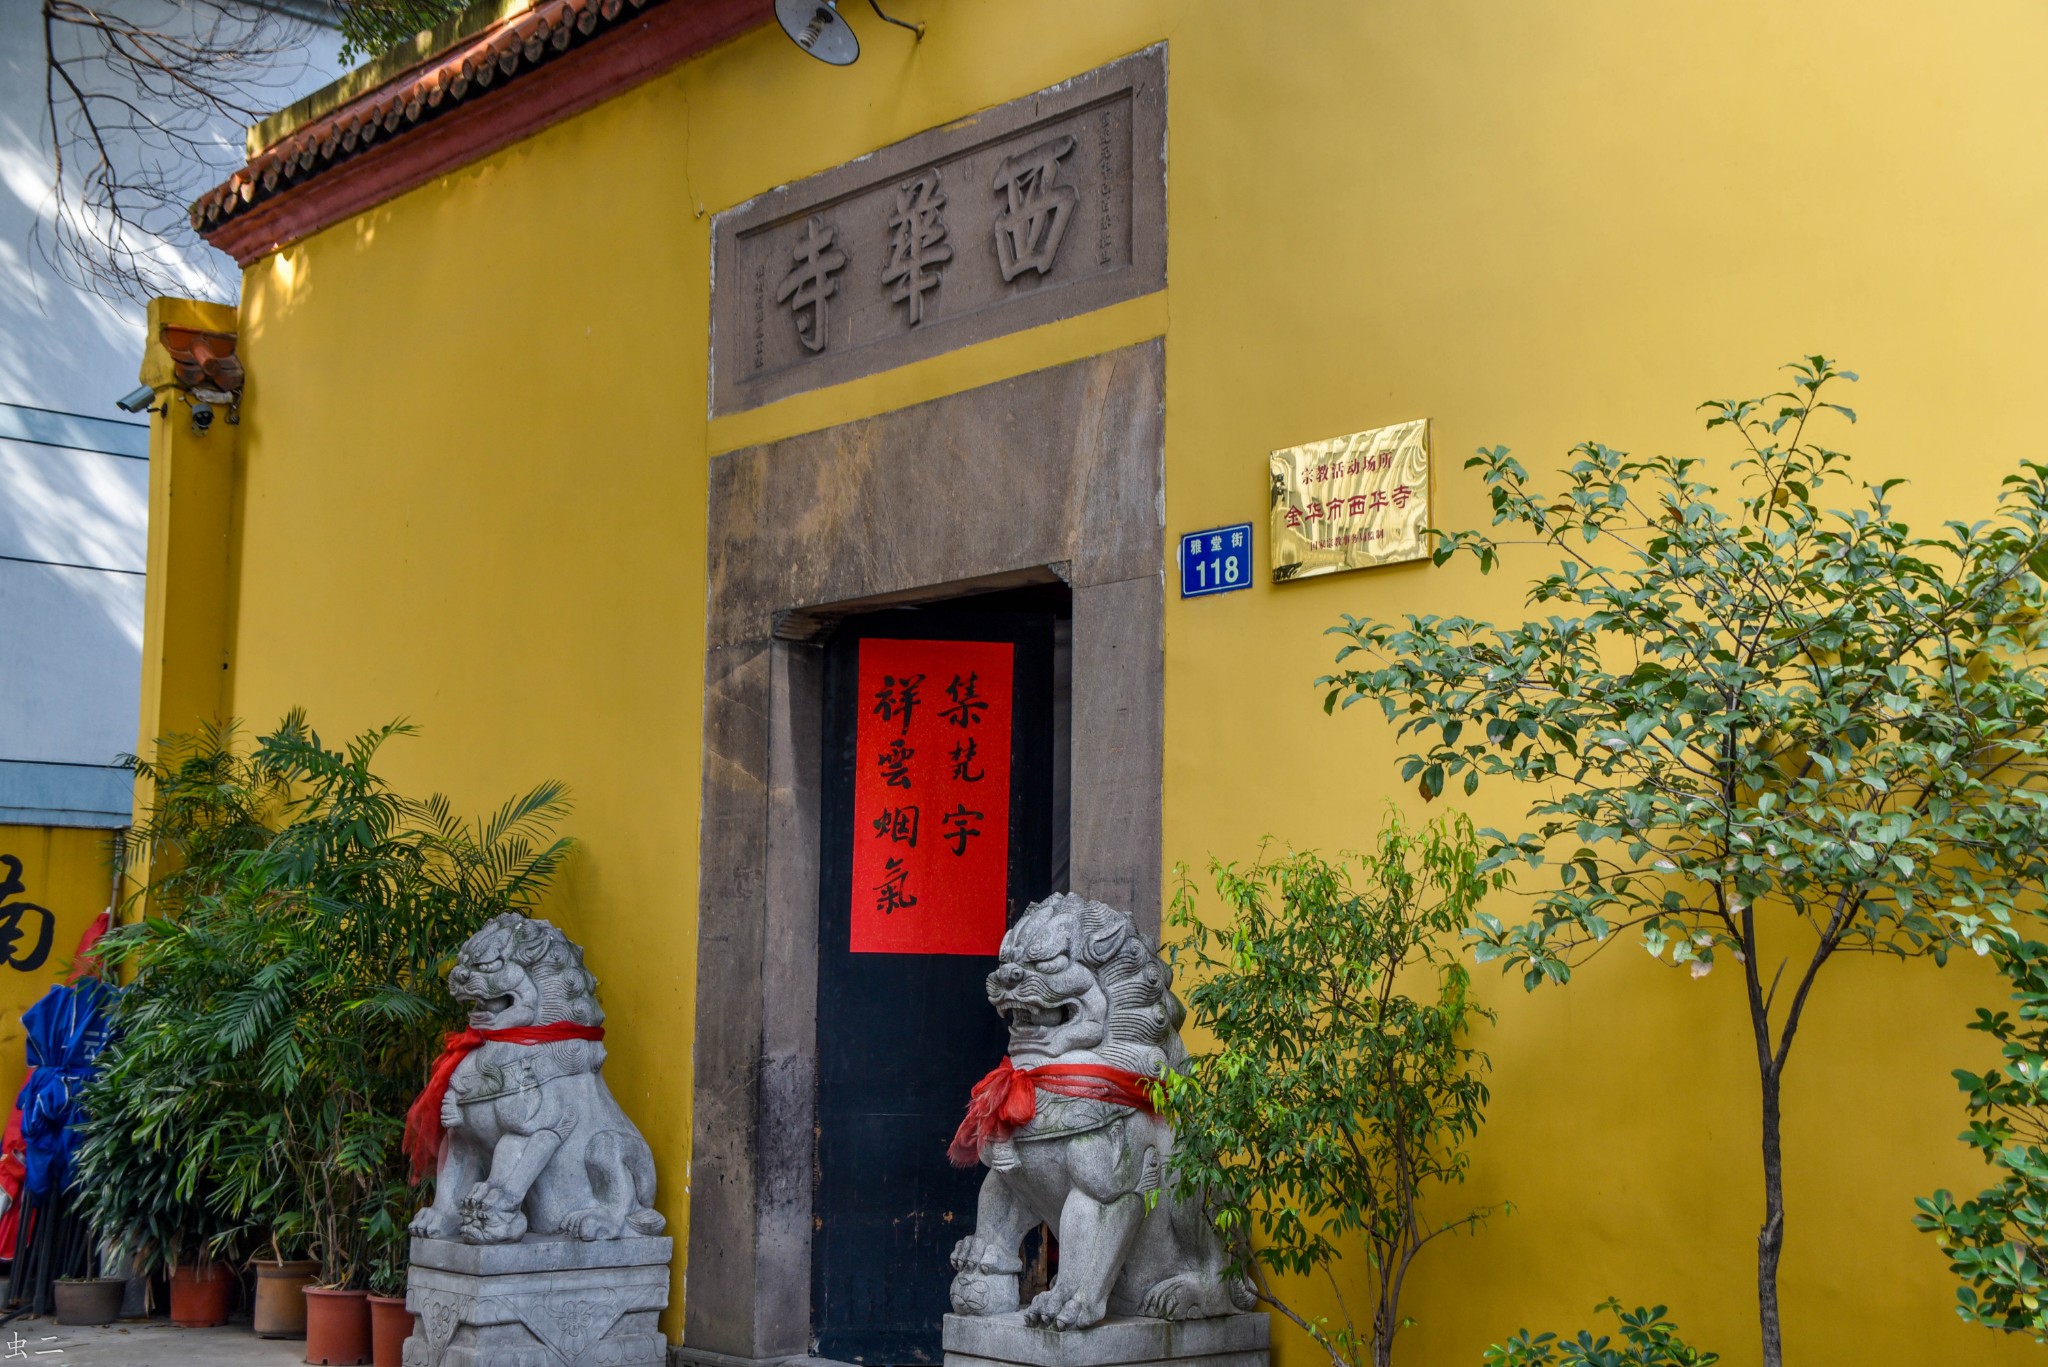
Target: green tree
x=1334 y=1102
x=1995 y=1241
x=1755 y=727
x=370 y=26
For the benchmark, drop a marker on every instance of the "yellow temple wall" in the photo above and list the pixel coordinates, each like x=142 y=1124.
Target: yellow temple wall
x=471 y=488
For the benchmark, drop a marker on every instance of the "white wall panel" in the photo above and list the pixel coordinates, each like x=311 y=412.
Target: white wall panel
x=73 y=507
x=70 y=663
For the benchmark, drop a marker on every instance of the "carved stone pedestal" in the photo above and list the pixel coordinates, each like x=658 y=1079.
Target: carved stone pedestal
x=1119 y=1341
x=546 y=1302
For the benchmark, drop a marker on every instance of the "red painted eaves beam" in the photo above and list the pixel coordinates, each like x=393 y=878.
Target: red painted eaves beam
x=658 y=39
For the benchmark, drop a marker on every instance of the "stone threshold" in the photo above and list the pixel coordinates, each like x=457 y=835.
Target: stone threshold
x=1225 y=1341
x=682 y=1355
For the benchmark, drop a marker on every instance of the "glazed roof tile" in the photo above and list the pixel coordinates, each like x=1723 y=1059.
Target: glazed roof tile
x=500 y=54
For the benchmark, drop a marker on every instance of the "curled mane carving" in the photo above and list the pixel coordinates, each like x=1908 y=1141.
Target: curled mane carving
x=567 y=990
x=1144 y=1017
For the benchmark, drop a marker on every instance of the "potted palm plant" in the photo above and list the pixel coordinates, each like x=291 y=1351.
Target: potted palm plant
x=145 y=1172
x=301 y=917
x=338 y=1161
x=164 y=1103
x=388 y=1243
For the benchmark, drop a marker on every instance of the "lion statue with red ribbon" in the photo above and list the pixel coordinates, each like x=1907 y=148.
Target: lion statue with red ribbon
x=516 y=1122
x=1066 y=1127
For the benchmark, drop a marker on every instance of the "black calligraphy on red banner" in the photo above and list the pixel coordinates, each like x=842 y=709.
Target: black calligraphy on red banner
x=931 y=797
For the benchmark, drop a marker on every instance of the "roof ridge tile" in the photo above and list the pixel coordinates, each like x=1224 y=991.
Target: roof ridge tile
x=509 y=48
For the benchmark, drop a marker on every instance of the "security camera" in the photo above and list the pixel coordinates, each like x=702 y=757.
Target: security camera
x=202 y=417
x=137 y=400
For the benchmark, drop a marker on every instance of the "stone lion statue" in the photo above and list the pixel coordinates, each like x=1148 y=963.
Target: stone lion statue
x=529 y=1138
x=1066 y=1128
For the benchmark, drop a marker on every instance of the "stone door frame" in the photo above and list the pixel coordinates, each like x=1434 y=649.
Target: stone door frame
x=1054 y=475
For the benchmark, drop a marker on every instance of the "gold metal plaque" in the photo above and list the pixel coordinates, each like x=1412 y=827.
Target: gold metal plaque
x=1351 y=502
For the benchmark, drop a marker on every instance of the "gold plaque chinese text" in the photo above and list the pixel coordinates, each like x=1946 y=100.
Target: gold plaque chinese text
x=1350 y=502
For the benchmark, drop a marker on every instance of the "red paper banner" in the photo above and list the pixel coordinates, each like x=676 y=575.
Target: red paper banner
x=931 y=797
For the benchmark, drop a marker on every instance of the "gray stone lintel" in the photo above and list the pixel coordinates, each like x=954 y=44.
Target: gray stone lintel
x=1115 y=1342
x=1058 y=473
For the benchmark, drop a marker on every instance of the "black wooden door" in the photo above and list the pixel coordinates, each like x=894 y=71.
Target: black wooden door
x=903 y=1036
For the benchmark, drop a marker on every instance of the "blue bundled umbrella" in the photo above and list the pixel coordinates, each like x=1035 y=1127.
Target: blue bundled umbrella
x=66 y=1031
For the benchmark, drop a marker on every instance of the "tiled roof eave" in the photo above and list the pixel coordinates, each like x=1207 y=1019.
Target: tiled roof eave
x=505 y=83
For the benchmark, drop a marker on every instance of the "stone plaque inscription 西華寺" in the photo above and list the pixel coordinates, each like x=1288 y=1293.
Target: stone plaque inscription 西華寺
x=1048 y=206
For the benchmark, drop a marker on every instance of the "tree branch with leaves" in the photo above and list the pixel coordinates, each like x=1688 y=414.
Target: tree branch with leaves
x=1997 y=1241
x=1759 y=727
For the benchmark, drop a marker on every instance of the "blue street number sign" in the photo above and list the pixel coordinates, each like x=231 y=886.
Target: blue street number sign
x=1216 y=561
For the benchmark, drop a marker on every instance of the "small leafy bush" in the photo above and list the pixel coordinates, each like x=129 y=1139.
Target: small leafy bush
x=1335 y=1103
x=1994 y=1240
x=1647 y=1340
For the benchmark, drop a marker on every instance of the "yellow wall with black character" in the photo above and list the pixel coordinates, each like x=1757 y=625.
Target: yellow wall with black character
x=53 y=881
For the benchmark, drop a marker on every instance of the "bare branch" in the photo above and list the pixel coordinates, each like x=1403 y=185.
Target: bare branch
x=146 y=102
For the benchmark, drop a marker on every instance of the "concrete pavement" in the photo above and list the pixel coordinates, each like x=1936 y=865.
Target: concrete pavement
x=142 y=1343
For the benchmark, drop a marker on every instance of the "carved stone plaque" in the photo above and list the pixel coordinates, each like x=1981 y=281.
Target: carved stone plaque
x=1051 y=205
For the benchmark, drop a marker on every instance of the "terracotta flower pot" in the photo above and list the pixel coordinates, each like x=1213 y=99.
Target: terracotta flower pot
x=337 y=1327
x=390 y=1325
x=91 y=1300
x=199 y=1295
x=280 y=1311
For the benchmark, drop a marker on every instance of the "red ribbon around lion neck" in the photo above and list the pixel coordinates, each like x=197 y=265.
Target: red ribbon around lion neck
x=423 y=1120
x=1005 y=1100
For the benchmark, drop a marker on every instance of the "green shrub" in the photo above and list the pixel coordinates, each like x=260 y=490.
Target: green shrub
x=1647 y=1340
x=1334 y=1102
x=1994 y=1241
